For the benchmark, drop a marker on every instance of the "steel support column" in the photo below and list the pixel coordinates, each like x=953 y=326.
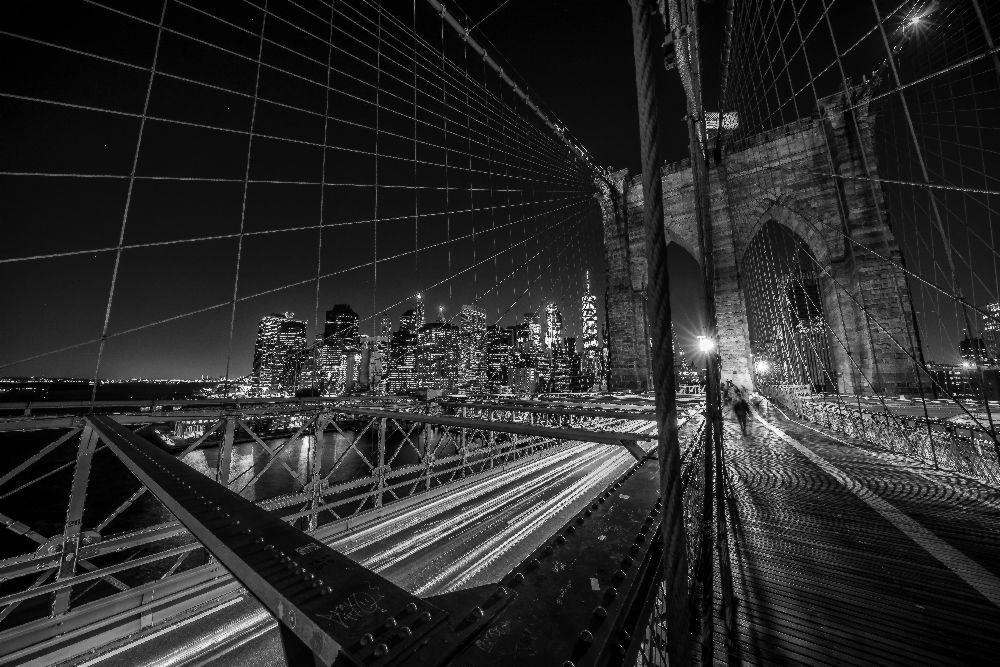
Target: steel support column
x=226 y=451
x=74 y=519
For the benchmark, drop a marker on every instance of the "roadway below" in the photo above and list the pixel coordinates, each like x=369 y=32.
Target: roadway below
x=472 y=536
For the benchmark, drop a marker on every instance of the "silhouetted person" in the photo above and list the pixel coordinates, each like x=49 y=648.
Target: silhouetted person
x=741 y=409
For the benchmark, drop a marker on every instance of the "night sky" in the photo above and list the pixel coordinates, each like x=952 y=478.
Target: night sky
x=63 y=111
x=576 y=60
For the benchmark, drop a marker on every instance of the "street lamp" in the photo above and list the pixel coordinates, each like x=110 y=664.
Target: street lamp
x=762 y=367
x=705 y=344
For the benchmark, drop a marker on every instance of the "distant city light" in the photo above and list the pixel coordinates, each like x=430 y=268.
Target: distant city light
x=762 y=366
x=420 y=295
x=705 y=344
x=915 y=20
x=966 y=364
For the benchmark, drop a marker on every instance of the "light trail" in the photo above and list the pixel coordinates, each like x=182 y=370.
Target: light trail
x=440 y=545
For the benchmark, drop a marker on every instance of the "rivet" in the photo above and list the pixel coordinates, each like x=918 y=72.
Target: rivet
x=569 y=663
x=601 y=612
x=381 y=650
x=612 y=592
x=548 y=550
x=500 y=593
x=586 y=637
x=426 y=616
x=620 y=574
x=405 y=632
x=411 y=607
x=391 y=623
x=580 y=519
x=587 y=513
x=517 y=578
x=601 y=499
x=327 y=590
x=571 y=530
x=535 y=562
x=367 y=639
x=626 y=563
x=561 y=540
x=476 y=613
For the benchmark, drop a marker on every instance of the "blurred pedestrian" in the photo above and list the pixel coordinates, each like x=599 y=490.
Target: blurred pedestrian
x=741 y=409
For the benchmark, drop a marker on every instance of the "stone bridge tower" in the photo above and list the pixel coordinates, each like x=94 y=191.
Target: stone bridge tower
x=783 y=176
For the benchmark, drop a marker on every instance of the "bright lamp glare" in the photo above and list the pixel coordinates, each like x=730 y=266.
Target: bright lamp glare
x=705 y=344
x=966 y=364
x=915 y=20
x=762 y=367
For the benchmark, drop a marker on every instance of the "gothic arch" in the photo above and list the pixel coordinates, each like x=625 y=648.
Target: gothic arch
x=788 y=211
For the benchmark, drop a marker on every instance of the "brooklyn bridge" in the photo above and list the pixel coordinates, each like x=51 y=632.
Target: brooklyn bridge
x=639 y=333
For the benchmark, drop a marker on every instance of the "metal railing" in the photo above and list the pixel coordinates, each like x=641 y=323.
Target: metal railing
x=398 y=460
x=968 y=450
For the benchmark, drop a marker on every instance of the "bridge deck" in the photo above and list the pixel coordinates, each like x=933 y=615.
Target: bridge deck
x=847 y=556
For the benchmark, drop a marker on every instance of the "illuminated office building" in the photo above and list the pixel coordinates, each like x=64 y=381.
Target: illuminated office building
x=340 y=357
x=278 y=353
x=497 y=358
x=553 y=325
x=472 y=331
x=591 y=362
x=437 y=364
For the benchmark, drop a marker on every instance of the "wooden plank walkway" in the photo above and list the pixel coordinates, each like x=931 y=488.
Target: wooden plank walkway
x=847 y=556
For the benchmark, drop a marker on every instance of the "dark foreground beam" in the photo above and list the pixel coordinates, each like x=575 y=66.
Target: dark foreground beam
x=324 y=600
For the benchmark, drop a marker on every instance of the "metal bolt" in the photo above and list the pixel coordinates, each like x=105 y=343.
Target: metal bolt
x=327 y=590
x=561 y=540
x=620 y=574
x=391 y=623
x=367 y=639
x=601 y=612
x=518 y=578
x=381 y=650
x=475 y=614
x=612 y=592
x=424 y=617
x=535 y=562
x=411 y=607
x=500 y=593
x=580 y=520
x=405 y=632
x=586 y=637
x=569 y=663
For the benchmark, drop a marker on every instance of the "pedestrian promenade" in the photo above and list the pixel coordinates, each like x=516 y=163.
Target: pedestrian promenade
x=843 y=555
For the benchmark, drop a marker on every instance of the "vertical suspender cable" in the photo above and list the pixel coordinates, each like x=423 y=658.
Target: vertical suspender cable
x=128 y=202
x=648 y=63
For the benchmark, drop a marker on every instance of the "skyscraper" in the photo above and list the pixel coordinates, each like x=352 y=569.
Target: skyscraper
x=437 y=355
x=472 y=325
x=278 y=353
x=991 y=330
x=565 y=375
x=592 y=366
x=498 y=358
x=553 y=325
x=341 y=348
x=402 y=361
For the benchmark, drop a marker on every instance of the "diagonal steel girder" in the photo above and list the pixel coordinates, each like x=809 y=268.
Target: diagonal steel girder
x=320 y=598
